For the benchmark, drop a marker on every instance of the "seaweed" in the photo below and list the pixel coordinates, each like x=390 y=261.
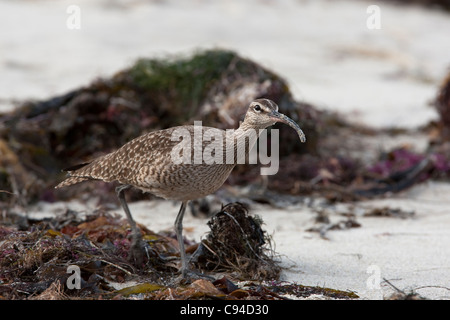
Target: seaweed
x=31 y=260
x=389 y=212
x=38 y=262
x=433 y=4
x=184 y=83
x=298 y=290
x=237 y=244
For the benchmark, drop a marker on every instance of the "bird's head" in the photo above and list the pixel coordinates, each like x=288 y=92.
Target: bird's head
x=263 y=113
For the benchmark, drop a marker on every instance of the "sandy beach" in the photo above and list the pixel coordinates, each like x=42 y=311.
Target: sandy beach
x=383 y=78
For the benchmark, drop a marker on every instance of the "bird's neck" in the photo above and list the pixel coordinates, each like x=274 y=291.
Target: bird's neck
x=244 y=139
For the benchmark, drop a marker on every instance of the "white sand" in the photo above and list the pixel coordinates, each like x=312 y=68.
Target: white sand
x=382 y=77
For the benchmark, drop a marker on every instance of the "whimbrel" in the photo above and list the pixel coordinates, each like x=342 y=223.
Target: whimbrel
x=147 y=163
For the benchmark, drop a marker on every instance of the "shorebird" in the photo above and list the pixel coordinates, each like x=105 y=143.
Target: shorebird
x=149 y=163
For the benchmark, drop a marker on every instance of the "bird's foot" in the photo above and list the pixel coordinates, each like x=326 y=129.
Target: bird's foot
x=138 y=250
x=189 y=276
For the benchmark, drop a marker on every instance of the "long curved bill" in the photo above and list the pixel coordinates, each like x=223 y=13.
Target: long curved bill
x=279 y=117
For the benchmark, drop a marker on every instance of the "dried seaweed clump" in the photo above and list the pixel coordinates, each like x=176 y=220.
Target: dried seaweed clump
x=35 y=260
x=237 y=244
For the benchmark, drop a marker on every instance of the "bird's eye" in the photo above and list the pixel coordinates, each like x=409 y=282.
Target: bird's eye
x=257 y=108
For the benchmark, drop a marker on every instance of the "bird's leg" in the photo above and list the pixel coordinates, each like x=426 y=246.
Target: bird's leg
x=136 y=250
x=179 y=232
x=186 y=273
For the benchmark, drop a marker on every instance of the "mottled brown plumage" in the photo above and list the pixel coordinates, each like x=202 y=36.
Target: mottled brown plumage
x=147 y=163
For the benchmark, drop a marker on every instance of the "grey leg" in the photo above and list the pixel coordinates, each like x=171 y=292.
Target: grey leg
x=179 y=232
x=136 y=249
x=186 y=273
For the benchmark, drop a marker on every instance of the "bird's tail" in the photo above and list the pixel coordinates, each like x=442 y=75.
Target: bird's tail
x=72 y=179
